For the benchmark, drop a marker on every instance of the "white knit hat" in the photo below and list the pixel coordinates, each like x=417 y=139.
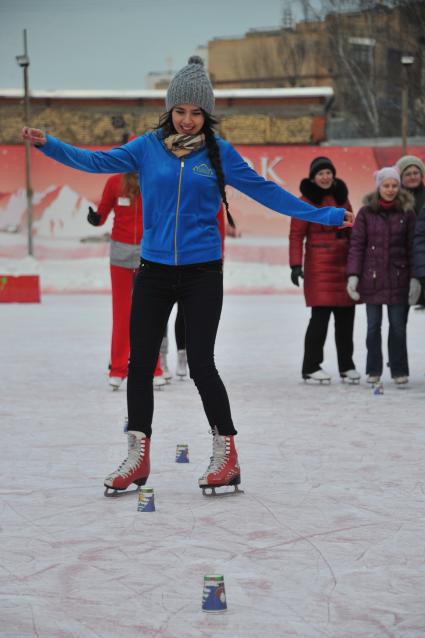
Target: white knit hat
x=388 y=172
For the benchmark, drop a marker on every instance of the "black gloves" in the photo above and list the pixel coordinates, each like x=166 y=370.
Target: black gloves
x=93 y=218
x=296 y=273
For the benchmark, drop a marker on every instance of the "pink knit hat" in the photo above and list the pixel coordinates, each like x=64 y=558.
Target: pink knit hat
x=388 y=172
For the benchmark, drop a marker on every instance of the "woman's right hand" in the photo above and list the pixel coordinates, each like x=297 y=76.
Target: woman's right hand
x=348 y=219
x=35 y=136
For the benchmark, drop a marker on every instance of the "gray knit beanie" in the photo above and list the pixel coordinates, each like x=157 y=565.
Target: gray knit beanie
x=191 y=85
x=410 y=160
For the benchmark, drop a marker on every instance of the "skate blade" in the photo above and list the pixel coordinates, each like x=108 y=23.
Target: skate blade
x=350 y=381
x=310 y=381
x=111 y=492
x=117 y=493
x=212 y=490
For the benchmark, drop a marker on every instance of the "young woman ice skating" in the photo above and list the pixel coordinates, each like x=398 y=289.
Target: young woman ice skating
x=183 y=168
x=121 y=194
x=179 y=326
x=323 y=262
x=380 y=271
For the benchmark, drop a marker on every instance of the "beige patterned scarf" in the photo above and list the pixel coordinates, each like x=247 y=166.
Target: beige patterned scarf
x=181 y=144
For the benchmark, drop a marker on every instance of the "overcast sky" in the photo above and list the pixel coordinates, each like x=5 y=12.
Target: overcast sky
x=113 y=44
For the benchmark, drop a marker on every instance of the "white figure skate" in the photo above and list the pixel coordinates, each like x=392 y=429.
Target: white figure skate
x=320 y=376
x=352 y=376
x=116 y=382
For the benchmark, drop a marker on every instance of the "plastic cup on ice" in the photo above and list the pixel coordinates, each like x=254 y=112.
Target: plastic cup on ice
x=146 y=501
x=182 y=453
x=214 y=595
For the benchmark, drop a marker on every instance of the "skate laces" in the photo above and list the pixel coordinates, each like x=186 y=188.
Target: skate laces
x=220 y=448
x=135 y=455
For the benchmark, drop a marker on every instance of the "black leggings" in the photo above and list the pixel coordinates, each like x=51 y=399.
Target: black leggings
x=317 y=330
x=199 y=290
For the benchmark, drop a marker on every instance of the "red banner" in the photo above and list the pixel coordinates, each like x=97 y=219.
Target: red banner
x=57 y=187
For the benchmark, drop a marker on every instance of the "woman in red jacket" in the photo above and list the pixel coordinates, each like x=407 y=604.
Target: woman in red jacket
x=324 y=273
x=122 y=195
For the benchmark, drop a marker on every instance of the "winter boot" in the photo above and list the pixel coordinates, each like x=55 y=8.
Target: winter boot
x=135 y=468
x=181 y=369
x=224 y=467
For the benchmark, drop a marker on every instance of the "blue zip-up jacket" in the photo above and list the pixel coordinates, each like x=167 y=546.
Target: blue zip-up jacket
x=181 y=196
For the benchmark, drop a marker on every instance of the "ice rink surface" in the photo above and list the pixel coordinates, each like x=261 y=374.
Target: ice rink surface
x=327 y=541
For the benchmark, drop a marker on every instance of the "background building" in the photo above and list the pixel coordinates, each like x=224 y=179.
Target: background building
x=357 y=52
x=245 y=116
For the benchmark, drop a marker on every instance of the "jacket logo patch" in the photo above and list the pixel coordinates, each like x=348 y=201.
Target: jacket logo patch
x=203 y=169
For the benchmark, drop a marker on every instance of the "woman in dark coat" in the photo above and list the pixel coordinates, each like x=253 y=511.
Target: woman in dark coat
x=419 y=248
x=412 y=173
x=324 y=273
x=380 y=270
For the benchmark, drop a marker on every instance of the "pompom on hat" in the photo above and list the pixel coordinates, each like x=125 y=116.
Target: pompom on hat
x=388 y=172
x=320 y=164
x=191 y=85
x=410 y=160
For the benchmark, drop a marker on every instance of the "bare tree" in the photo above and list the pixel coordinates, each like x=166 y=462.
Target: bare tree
x=366 y=40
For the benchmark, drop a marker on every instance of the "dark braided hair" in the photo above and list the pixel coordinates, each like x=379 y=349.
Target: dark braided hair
x=166 y=124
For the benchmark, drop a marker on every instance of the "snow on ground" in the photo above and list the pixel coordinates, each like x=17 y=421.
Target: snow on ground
x=326 y=542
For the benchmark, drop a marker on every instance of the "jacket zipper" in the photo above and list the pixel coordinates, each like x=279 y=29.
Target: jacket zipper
x=177 y=211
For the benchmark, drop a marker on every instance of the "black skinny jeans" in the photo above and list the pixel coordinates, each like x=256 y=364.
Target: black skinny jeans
x=199 y=290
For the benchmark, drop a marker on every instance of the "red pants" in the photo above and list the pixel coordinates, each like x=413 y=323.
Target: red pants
x=122 y=288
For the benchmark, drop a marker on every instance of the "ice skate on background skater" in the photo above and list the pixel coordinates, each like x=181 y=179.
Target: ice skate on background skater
x=134 y=469
x=319 y=376
x=223 y=470
x=351 y=376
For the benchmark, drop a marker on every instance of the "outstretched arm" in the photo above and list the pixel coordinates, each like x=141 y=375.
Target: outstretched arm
x=124 y=159
x=245 y=179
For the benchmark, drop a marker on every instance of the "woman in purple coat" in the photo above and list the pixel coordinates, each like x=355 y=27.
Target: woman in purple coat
x=380 y=271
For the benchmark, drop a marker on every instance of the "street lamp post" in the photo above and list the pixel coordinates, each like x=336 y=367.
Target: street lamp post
x=24 y=62
x=406 y=61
